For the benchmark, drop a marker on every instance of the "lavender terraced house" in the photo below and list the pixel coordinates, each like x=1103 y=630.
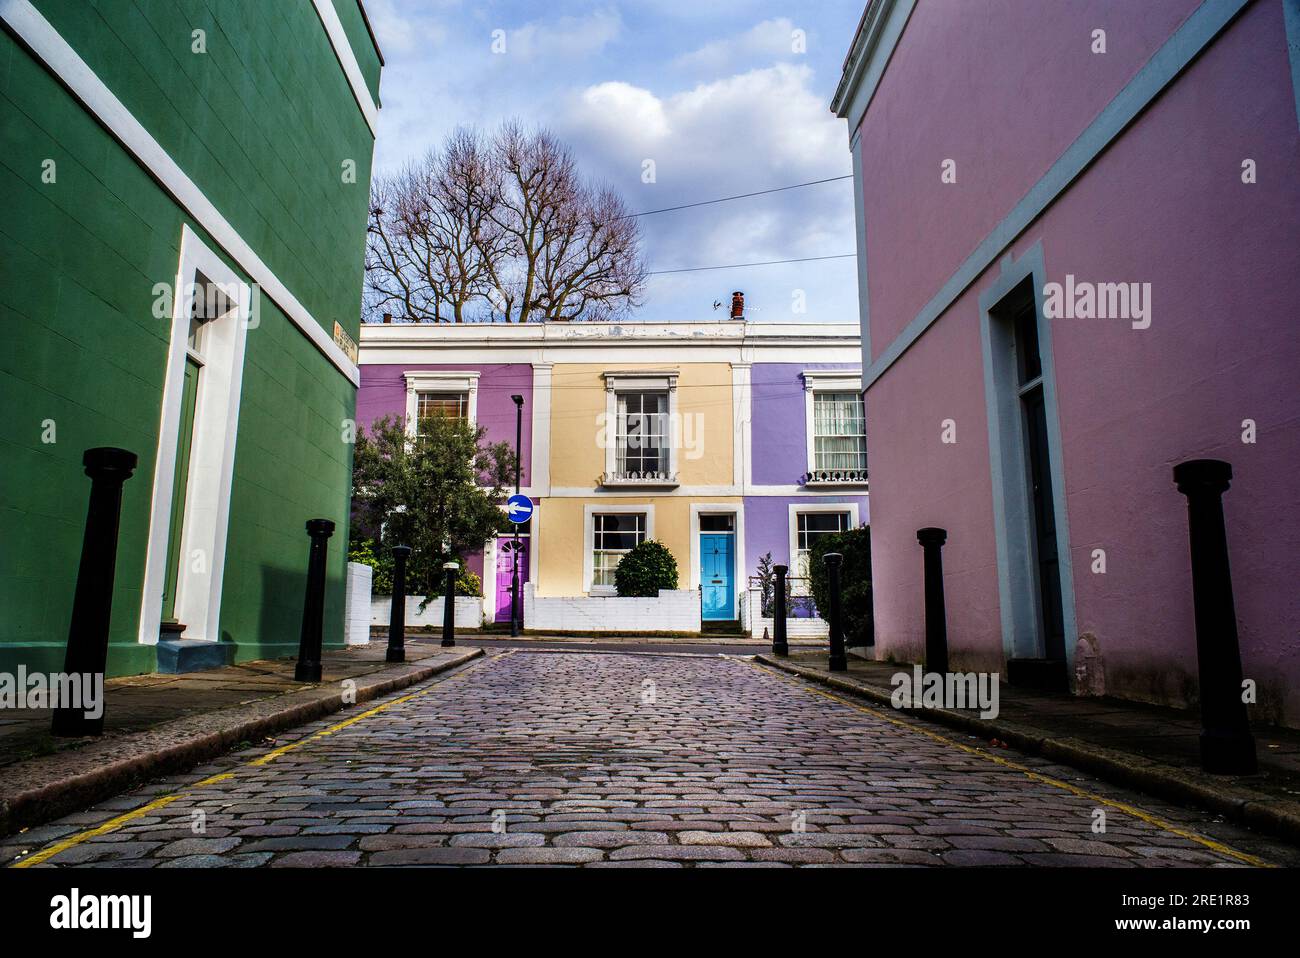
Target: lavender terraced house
x=1079 y=255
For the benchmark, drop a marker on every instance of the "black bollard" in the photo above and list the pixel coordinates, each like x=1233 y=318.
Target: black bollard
x=839 y=661
x=449 y=605
x=397 y=613
x=313 y=606
x=779 y=644
x=1227 y=745
x=92 y=603
x=936 y=619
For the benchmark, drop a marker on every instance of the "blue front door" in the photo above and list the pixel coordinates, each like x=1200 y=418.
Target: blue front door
x=717 y=575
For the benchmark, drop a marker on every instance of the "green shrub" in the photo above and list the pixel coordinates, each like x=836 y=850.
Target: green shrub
x=467 y=583
x=766 y=575
x=419 y=569
x=645 y=570
x=856 y=613
x=381 y=580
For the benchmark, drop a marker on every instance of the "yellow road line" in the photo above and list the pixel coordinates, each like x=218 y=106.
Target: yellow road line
x=114 y=824
x=1127 y=809
x=109 y=826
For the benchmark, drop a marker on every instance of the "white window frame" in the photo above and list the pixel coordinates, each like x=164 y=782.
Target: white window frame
x=631 y=381
x=828 y=381
x=589 y=513
x=212 y=456
x=439 y=381
x=799 y=507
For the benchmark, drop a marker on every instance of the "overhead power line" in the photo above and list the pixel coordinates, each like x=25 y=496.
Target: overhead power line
x=739 y=196
x=770 y=262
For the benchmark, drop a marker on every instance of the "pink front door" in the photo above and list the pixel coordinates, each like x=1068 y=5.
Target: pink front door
x=505 y=569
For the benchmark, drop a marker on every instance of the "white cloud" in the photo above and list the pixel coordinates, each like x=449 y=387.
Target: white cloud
x=636 y=112
x=764 y=42
x=406 y=31
x=757 y=130
x=564 y=36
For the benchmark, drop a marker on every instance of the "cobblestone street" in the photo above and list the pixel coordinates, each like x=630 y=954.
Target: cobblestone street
x=609 y=760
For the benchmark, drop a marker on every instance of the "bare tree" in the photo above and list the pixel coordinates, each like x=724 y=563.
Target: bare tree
x=591 y=268
x=426 y=248
x=502 y=230
x=394 y=280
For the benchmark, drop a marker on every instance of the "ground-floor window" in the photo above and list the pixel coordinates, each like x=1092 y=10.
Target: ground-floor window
x=811 y=526
x=613 y=535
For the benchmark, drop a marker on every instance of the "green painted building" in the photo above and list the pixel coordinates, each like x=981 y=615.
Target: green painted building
x=183 y=200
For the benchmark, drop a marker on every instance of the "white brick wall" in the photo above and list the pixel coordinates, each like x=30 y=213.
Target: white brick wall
x=815 y=628
x=671 y=611
x=356 y=604
x=469 y=611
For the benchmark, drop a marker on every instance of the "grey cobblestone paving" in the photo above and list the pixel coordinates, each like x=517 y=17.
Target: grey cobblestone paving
x=589 y=759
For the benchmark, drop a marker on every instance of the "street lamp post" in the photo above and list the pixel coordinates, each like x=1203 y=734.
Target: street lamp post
x=514 y=562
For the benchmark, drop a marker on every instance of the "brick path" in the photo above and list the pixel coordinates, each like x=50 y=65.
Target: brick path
x=624 y=760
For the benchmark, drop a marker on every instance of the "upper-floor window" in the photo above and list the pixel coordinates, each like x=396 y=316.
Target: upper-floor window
x=839 y=432
x=440 y=405
x=439 y=394
x=837 y=428
x=641 y=448
x=638 y=433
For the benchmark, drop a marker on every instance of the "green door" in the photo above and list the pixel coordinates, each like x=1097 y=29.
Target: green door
x=184 y=440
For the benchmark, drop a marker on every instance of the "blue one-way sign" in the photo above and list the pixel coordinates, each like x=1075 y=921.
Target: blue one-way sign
x=519 y=508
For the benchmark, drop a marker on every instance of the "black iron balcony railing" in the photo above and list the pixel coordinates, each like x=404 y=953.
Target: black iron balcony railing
x=836 y=477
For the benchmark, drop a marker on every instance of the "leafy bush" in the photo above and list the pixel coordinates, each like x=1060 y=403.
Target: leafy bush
x=363 y=551
x=766 y=575
x=856 y=612
x=467 y=583
x=419 y=570
x=645 y=570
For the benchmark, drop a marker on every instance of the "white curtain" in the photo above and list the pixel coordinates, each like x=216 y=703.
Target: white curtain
x=839 y=432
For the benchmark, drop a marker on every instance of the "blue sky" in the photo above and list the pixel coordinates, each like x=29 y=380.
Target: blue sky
x=713 y=91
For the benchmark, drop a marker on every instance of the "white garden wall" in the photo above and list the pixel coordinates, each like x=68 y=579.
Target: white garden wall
x=814 y=628
x=356 y=604
x=468 y=611
x=671 y=611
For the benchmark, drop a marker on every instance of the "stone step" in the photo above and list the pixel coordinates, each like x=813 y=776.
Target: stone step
x=193 y=655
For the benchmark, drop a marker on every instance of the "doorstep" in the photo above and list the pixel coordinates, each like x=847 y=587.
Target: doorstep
x=1147 y=747
x=176 y=656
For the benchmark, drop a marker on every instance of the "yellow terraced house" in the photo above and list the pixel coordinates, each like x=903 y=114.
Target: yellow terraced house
x=725 y=441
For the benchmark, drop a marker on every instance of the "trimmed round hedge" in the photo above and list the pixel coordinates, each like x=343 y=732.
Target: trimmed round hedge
x=645 y=570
